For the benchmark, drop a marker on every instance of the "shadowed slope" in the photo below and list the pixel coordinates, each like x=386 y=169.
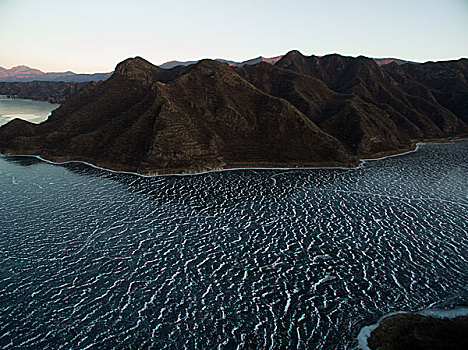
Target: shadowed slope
x=194 y=118
x=376 y=111
x=447 y=81
x=302 y=111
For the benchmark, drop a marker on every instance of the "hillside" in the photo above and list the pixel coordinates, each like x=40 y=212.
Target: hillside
x=302 y=111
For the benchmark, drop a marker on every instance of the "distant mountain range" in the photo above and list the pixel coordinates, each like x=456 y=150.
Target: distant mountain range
x=301 y=111
x=26 y=74
x=272 y=60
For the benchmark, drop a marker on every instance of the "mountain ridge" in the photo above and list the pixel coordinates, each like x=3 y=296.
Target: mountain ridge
x=304 y=111
x=23 y=73
x=272 y=60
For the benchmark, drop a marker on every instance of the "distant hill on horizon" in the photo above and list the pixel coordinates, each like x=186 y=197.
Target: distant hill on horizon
x=384 y=61
x=24 y=73
x=272 y=60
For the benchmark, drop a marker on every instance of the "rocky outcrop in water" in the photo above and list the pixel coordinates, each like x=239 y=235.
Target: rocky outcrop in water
x=416 y=332
x=302 y=111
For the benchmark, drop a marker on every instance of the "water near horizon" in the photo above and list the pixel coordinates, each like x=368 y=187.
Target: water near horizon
x=245 y=259
x=29 y=110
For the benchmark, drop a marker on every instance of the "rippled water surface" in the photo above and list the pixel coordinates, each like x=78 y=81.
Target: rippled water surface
x=246 y=259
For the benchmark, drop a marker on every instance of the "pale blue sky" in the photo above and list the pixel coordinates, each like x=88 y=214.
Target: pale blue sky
x=94 y=35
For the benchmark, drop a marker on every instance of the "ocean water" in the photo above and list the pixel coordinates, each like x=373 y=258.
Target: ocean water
x=244 y=259
x=32 y=111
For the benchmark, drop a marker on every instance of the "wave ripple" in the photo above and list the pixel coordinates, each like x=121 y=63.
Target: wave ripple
x=244 y=259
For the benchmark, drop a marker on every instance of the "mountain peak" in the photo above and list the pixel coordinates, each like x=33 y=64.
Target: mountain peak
x=136 y=68
x=211 y=63
x=293 y=57
x=137 y=61
x=294 y=53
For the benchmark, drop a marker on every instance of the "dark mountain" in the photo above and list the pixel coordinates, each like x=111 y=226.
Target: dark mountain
x=272 y=60
x=377 y=110
x=26 y=74
x=194 y=118
x=302 y=111
x=447 y=81
x=51 y=91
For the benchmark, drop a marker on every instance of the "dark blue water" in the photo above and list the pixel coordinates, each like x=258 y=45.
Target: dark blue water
x=246 y=259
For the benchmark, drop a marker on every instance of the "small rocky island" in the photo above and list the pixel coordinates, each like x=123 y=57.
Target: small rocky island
x=409 y=331
x=302 y=111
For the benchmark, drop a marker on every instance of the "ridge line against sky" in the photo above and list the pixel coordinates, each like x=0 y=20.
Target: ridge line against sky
x=93 y=36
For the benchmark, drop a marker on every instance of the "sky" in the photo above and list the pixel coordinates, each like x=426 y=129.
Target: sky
x=94 y=35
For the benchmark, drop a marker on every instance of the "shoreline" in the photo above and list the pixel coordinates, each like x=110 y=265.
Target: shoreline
x=241 y=166
x=414 y=147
